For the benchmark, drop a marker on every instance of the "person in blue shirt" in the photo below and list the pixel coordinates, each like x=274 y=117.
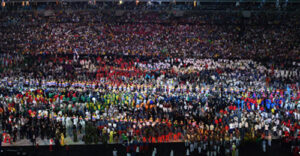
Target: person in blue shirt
x=242 y=104
x=288 y=91
x=272 y=105
x=268 y=104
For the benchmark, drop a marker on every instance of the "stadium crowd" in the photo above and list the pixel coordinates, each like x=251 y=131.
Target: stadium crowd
x=146 y=78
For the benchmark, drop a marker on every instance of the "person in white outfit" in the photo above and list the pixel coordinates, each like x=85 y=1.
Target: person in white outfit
x=172 y=153
x=187 y=152
x=154 y=152
x=115 y=152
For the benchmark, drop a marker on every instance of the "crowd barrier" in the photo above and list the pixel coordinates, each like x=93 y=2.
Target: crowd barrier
x=163 y=149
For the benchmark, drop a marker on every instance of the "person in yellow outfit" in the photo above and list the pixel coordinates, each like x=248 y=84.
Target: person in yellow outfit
x=111 y=136
x=62 y=139
x=259 y=101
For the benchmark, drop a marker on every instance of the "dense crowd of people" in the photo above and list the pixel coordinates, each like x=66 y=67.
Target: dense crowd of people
x=151 y=78
x=151 y=34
